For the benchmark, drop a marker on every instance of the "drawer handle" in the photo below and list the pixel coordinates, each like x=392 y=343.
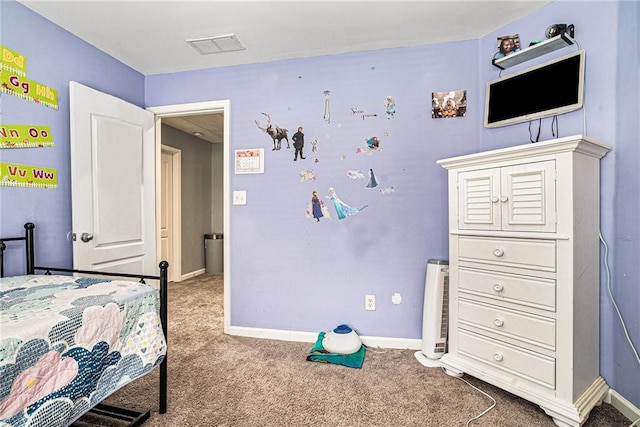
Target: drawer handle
x=498 y=287
x=497 y=357
x=498 y=252
x=494 y=199
x=498 y=322
x=504 y=199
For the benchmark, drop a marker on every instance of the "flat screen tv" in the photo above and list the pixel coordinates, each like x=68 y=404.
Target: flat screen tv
x=545 y=90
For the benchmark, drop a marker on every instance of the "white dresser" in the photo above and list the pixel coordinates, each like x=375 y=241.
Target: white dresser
x=524 y=272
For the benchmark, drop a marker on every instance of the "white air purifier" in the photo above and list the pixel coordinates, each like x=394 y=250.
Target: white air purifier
x=435 y=320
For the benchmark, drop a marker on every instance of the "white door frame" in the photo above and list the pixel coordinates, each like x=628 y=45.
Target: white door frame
x=175 y=272
x=191 y=109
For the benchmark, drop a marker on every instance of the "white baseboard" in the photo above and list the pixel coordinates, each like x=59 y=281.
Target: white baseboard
x=192 y=274
x=311 y=337
x=625 y=407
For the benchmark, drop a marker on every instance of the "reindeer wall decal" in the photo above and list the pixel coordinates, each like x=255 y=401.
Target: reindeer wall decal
x=276 y=133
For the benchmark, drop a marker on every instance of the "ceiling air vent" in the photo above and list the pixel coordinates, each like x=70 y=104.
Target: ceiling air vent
x=217 y=44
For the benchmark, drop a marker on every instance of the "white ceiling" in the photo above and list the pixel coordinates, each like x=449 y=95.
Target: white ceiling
x=150 y=36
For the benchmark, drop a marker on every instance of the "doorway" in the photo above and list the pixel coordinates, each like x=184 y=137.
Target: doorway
x=201 y=108
x=170 y=211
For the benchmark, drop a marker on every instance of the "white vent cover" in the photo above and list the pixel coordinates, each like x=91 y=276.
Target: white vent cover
x=217 y=44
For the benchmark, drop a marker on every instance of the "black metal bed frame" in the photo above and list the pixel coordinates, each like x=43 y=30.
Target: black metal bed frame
x=133 y=417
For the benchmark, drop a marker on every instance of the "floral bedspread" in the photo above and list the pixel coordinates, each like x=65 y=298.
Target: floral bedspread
x=67 y=342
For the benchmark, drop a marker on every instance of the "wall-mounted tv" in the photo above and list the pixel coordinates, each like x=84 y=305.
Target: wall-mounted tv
x=548 y=89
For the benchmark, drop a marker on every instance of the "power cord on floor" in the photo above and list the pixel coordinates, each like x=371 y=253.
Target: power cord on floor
x=376 y=349
x=493 y=405
x=615 y=305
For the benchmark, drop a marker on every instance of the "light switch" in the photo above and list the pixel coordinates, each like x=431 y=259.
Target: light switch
x=240 y=197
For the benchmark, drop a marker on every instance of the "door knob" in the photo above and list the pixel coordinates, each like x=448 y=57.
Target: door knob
x=86 y=237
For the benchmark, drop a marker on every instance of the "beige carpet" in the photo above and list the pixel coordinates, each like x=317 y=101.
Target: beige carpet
x=220 y=380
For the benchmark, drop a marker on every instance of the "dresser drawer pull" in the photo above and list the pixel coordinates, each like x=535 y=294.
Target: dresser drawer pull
x=498 y=322
x=497 y=357
x=498 y=287
x=498 y=252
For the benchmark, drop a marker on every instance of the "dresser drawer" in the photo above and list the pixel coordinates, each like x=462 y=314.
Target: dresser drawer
x=507 y=358
x=523 y=290
x=511 y=324
x=530 y=253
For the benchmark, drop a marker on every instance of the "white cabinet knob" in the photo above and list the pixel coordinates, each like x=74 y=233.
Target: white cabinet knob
x=497 y=357
x=498 y=322
x=498 y=287
x=494 y=199
x=498 y=252
x=504 y=199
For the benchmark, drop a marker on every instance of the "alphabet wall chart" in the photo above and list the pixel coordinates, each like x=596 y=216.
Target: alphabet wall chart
x=13 y=81
x=25 y=136
x=13 y=175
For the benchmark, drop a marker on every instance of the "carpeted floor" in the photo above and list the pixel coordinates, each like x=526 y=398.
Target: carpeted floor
x=220 y=380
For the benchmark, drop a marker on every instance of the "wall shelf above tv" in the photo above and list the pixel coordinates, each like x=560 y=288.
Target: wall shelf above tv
x=534 y=51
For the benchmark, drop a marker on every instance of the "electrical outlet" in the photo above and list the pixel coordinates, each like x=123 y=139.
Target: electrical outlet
x=369 y=302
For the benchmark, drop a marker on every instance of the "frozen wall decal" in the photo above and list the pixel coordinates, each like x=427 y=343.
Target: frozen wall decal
x=343 y=210
x=298 y=143
x=316 y=208
x=275 y=132
x=356 y=175
x=390 y=107
x=307 y=175
x=327 y=107
x=373 y=181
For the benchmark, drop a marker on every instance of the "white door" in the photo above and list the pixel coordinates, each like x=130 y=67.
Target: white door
x=112 y=183
x=170 y=210
x=166 y=207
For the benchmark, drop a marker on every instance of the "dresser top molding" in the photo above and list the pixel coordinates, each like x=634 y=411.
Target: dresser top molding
x=575 y=143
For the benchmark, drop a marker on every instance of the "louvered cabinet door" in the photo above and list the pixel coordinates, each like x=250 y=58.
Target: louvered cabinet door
x=510 y=198
x=479 y=200
x=528 y=197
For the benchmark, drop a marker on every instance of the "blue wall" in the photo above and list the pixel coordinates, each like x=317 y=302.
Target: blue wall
x=54 y=57
x=292 y=273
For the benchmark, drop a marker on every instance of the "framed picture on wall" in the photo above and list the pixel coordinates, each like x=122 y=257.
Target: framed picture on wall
x=507 y=45
x=449 y=104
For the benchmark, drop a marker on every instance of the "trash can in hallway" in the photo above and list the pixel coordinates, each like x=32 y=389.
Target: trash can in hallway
x=213 y=253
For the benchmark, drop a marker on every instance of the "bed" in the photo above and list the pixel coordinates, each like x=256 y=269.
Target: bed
x=70 y=338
